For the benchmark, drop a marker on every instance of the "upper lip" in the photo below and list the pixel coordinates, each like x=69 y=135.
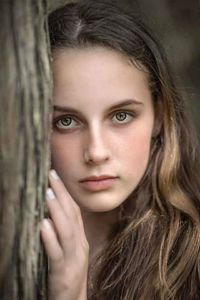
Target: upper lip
x=97 y=178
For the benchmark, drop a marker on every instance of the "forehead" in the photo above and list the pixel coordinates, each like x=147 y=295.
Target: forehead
x=98 y=73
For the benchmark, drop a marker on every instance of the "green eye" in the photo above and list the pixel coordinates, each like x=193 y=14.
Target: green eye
x=122 y=117
x=64 y=122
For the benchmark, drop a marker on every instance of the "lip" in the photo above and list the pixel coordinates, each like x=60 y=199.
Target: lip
x=98 y=183
x=97 y=178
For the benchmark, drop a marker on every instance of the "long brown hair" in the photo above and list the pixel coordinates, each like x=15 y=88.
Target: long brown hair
x=154 y=249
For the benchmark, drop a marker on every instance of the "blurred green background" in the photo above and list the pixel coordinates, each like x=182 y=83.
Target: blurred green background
x=177 y=25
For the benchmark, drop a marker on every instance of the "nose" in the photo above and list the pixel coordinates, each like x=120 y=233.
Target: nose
x=96 y=149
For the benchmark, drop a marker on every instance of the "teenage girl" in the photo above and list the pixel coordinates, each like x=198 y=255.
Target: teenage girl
x=124 y=196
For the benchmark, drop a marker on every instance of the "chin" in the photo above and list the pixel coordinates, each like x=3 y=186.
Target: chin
x=99 y=209
x=99 y=204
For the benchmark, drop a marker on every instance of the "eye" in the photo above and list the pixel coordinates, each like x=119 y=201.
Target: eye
x=66 y=122
x=122 y=117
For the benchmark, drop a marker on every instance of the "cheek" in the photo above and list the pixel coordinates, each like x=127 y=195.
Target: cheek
x=61 y=155
x=142 y=146
x=137 y=150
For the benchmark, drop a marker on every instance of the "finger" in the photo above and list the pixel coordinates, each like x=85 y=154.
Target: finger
x=50 y=241
x=69 y=205
x=63 y=225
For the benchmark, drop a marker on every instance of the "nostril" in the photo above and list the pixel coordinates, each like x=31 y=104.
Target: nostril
x=95 y=156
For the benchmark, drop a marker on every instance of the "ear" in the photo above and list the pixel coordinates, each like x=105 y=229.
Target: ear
x=158 y=118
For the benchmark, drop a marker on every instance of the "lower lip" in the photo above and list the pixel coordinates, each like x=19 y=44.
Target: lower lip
x=98 y=185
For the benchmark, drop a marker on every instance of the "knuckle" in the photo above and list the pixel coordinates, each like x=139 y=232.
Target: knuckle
x=72 y=217
x=75 y=215
x=69 y=275
x=57 y=261
x=68 y=235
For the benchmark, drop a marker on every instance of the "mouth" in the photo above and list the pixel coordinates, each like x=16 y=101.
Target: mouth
x=98 y=183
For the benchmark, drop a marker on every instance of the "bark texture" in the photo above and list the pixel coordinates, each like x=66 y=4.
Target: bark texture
x=52 y=4
x=25 y=93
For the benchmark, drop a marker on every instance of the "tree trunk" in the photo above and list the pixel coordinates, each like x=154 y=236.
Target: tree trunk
x=25 y=113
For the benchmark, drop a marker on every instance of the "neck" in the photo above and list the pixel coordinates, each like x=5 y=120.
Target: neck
x=97 y=226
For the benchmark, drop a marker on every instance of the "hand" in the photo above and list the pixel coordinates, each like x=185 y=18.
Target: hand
x=65 y=244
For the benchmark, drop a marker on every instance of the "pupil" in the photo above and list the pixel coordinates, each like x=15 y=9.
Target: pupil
x=121 y=116
x=66 y=121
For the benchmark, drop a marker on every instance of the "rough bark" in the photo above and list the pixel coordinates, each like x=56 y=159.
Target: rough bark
x=52 y=4
x=25 y=93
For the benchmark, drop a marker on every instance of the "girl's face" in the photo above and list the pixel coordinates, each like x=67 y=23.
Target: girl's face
x=102 y=126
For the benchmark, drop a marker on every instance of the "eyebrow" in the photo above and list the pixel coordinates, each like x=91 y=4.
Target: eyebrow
x=115 y=106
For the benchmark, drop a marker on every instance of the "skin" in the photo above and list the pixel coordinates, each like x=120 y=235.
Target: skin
x=92 y=137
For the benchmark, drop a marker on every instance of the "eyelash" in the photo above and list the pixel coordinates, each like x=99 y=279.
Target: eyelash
x=132 y=115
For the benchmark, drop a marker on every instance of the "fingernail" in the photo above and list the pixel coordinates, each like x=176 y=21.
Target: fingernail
x=54 y=174
x=45 y=224
x=50 y=194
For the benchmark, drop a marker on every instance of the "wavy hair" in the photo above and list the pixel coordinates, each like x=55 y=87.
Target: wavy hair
x=154 y=249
